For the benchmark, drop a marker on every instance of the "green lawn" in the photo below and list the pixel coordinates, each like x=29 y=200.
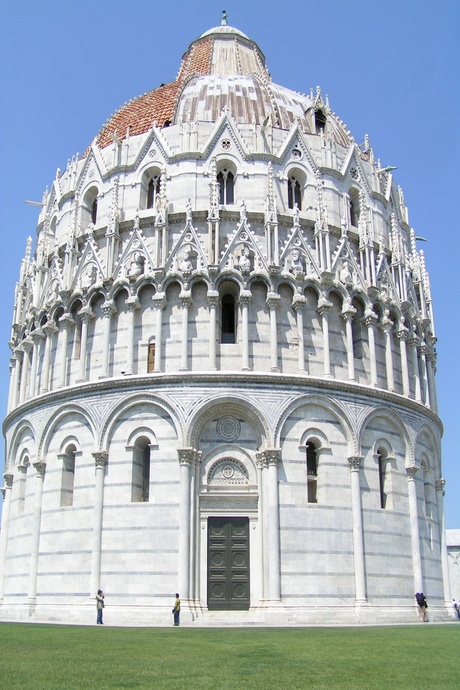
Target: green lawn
x=53 y=656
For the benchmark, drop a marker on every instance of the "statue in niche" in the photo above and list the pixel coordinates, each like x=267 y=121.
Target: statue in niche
x=88 y=277
x=136 y=266
x=245 y=260
x=296 y=262
x=346 y=273
x=186 y=264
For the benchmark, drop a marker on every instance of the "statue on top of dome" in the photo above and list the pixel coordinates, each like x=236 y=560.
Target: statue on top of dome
x=224 y=20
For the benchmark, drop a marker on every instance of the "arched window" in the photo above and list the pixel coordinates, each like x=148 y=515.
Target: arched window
x=383 y=476
x=312 y=472
x=89 y=208
x=226 y=182
x=68 y=476
x=151 y=358
x=140 y=487
x=153 y=190
x=228 y=320
x=294 y=193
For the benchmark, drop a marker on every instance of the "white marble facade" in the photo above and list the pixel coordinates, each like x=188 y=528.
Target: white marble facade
x=225 y=316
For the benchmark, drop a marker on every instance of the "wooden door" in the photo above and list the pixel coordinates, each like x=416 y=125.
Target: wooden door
x=228 y=563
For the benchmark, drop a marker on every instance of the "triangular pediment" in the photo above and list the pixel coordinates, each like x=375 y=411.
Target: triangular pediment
x=225 y=128
x=187 y=254
x=90 y=269
x=93 y=169
x=297 y=256
x=135 y=259
x=385 y=281
x=353 y=160
x=155 y=149
x=346 y=267
x=296 y=139
x=54 y=283
x=243 y=251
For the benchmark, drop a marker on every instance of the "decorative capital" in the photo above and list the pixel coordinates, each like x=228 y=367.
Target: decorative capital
x=108 y=308
x=101 y=458
x=354 y=462
x=245 y=297
x=273 y=300
x=299 y=302
x=159 y=300
x=40 y=468
x=8 y=480
x=411 y=472
x=270 y=456
x=440 y=484
x=187 y=456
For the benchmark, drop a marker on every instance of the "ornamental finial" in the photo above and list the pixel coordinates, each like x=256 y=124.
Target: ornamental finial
x=224 y=20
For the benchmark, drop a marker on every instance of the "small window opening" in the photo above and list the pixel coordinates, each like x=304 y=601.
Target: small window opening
x=153 y=191
x=226 y=182
x=294 y=196
x=354 y=209
x=140 y=488
x=228 y=319
x=320 y=121
x=312 y=472
x=383 y=478
x=94 y=212
x=151 y=358
x=68 y=476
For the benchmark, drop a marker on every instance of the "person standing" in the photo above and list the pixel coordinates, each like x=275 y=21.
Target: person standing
x=176 y=609
x=423 y=605
x=100 y=605
x=456 y=608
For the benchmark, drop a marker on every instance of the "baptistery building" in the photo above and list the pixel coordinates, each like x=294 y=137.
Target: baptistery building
x=222 y=379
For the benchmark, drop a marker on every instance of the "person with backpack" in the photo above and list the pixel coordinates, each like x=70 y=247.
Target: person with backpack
x=422 y=604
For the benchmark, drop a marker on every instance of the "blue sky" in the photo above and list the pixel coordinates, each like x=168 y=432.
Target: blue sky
x=391 y=70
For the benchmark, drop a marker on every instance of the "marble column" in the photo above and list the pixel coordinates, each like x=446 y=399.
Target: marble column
x=187 y=457
x=40 y=468
x=423 y=374
x=37 y=337
x=132 y=304
x=67 y=323
x=387 y=326
x=358 y=530
x=323 y=310
x=402 y=337
x=370 y=321
x=6 y=491
x=273 y=457
x=273 y=301
x=298 y=304
x=159 y=303
x=109 y=310
x=26 y=347
x=263 y=517
x=413 y=343
x=347 y=315
x=185 y=300
x=49 y=329
x=414 y=529
x=245 y=299
x=213 y=301
x=100 y=459
x=86 y=315
x=430 y=364
x=16 y=360
x=440 y=484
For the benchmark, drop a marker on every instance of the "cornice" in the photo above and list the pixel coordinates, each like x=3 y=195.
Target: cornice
x=272 y=381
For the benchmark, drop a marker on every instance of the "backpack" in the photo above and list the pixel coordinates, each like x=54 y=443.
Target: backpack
x=420 y=599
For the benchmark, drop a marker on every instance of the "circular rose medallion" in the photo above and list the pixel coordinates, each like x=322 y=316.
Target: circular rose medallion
x=228 y=471
x=228 y=428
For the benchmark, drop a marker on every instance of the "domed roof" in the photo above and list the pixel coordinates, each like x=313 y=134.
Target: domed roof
x=222 y=70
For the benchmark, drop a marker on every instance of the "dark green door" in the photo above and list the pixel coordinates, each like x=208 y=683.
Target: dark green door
x=228 y=563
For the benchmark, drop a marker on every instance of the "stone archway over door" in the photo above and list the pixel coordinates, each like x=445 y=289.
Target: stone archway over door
x=228 y=563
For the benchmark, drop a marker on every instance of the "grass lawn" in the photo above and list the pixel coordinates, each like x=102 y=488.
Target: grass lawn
x=57 y=657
